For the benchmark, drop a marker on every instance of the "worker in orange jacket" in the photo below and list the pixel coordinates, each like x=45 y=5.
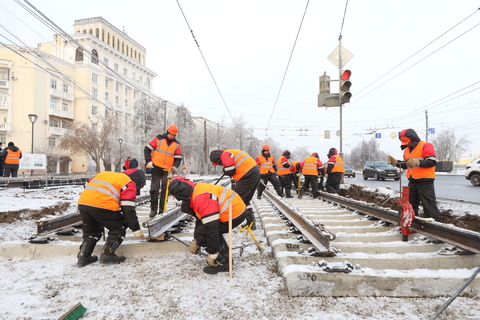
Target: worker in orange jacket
x=108 y=201
x=11 y=156
x=244 y=174
x=268 y=169
x=165 y=155
x=335 y=170
x=209 y=204
x=284 y=173
x=310 y=167
x=420 y=160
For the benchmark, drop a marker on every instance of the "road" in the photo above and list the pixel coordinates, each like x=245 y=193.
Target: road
x=454 y=187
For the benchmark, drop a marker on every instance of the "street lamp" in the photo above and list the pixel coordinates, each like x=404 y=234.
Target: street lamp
x=120 y=141
x=33 y=118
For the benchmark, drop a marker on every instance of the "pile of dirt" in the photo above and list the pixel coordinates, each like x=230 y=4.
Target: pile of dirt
x=29 y=214
x=464 y=219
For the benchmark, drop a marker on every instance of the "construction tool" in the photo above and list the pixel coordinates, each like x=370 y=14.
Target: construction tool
x=166 y=195
x=230 y=258
x=223 y=175
x=183 y=242
x=248 y=230
x=76 y=312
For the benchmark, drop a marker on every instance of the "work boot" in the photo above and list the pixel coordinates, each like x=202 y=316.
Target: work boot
x=153 y=213
x=302 y=192
x=108 y=255
x=288 y=193
x=113 y=258
x=215 y=270
x=83 y=261
x=86 y=249
x=259 y=196
x=250 y=220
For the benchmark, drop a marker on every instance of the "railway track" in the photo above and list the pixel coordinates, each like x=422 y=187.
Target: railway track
x=326 y=247
x=370 y=257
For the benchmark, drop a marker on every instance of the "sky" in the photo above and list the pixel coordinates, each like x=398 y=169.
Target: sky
x=173 y=286
x=414 y=65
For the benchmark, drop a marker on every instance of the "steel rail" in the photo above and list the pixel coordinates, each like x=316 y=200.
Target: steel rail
x=315 y=233
x=49 y=226
x=459 y=237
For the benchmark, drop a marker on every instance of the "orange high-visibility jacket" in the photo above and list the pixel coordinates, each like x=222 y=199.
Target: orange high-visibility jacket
x=13 y=157
x=417 y=153
x=281 y=170
x=164 y=155
x=265 y=164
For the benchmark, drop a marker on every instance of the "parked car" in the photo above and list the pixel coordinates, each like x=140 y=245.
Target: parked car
x=349 y=172
x=473 y=172
x=380 y=170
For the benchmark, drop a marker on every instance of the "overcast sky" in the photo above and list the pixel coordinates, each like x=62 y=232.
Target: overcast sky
x=427 y=52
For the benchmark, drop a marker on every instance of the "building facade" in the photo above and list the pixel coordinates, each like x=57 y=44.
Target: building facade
x=98 y=71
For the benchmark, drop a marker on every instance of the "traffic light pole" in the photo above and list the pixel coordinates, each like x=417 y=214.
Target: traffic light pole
x=340 y=66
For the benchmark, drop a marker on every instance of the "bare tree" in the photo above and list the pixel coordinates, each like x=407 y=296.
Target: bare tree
x=93 y=140
x=448 y=147
x=365 y=151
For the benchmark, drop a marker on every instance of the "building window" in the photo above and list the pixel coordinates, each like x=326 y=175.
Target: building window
x=125 y=72
x=53 y=84
x=115 y=67
x=140 y=79
x=95 y=93
x=116 y=86
x=106 y=83
x=126 y=90
x=94 y=77
x=116 y=100
x=148 y=83
x=51 y=141
x=4 y=72
x=65 y=88
x=53 y=103
x=94 y=110
x=94 y=56
x=79 y=54
x=65 y=107
x=106 y=96
x=133 y=75
x=126 y=103
x=105 y=60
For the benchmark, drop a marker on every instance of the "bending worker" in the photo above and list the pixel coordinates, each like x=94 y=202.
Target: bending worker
x=164 y=154
x=108 y=201
x=209 y=204
x=244 y=173
x=420 y=162
x=267 y=165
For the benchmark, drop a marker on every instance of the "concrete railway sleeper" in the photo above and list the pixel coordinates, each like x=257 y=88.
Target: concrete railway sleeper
x=369 y=256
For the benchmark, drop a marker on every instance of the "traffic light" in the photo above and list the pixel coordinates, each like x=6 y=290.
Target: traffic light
x=325 y=98
x=345 y=85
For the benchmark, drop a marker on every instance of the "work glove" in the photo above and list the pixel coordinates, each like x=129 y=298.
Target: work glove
x=391 y=160
x=212 y=260
x=193 y=247
x=138 y=234
x=172 y=172
x=149 y=165
x=413 y=163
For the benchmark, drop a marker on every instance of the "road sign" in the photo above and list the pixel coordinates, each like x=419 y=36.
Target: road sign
x=334 y=56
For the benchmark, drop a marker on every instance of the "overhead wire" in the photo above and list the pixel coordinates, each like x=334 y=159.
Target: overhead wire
x=288 y=64
x=205 y=61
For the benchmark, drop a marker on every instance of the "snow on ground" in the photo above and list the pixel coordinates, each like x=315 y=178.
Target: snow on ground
x=175 y=286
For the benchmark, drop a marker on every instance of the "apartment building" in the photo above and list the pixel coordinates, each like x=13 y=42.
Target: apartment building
x=97 y=71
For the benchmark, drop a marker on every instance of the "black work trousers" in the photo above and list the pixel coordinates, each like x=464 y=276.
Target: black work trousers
x=265 y=178
x=246 y=185
x=96 y=219
x=158 y=175
x=424 y=191
x=286 y=183
x=333 y=182
x=312 y=182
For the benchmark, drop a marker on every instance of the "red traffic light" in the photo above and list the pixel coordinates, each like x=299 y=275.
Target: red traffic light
x=346 y=75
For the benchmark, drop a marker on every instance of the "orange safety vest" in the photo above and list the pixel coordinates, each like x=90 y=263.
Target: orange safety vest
x=243 y=163
x=418 y=173
x=281 y=170
x=266 y=164
x=339 y=165
x=103 y=191
x=164 y=155
x=310 y=166
x=225 y=196
x=13 y=157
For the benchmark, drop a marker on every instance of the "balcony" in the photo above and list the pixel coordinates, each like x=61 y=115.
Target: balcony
x=54 y=131
x=5 y=126
x=60 y=113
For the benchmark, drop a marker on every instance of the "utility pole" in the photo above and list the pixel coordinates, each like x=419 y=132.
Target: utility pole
x=426 y=125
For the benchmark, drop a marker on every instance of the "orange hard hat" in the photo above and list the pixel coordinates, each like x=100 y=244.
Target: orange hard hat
x=172 y=129
x=266 y=147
